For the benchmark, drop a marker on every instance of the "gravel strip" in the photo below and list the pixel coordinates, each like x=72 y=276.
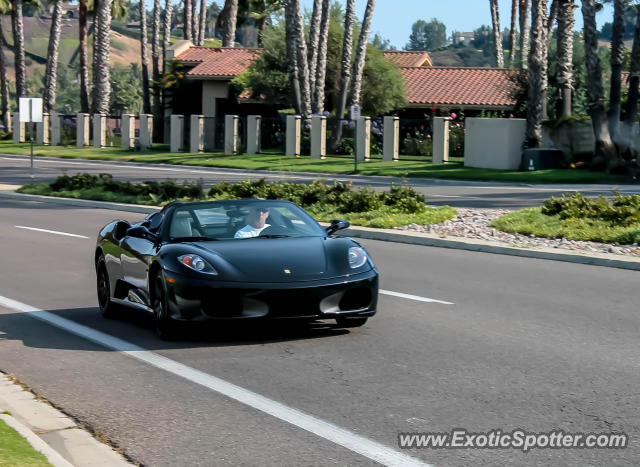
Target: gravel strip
x=474 y=223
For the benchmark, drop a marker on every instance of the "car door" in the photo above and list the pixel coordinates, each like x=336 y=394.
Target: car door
x=136 y=252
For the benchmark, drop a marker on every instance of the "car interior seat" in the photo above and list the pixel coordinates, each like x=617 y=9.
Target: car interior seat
x=181 y=225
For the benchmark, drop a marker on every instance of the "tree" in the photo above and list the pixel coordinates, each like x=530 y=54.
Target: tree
x=186 y=20
x=533 y=137
x=146 y=100
x=605 y=150
x=301 y=58
x=513 y=32
x=524 y=33
x=361 y=52
x=427 y=36
x=18 y=48
x=84 y=61
x=564 y=69
x=226 y=22
x=203 y=22
x=381 y=43
x=291 y=56
x=5 y=6
x=166 y=32
x=101 y=52
x=126 y=89
x=155 y=43
x=617 y=57
x=634 y=81
x=498 y=54
x=321 y=66
x=314 y=41
x=51 y=72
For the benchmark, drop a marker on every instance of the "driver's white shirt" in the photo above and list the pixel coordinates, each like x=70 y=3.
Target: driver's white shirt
x=249 y=231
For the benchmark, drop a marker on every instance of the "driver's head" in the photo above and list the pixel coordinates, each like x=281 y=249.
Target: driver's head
x=258 y=215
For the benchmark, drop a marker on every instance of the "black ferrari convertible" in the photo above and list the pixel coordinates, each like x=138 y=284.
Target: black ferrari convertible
x=234 y=260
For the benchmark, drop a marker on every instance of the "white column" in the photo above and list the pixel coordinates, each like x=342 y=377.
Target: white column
x=56 y=130
x=18 y=129
x=146 y=131
x=293 y=135
x=99 y=130
x=440 y=140
x=254 y=123
x=177 y=133
x=391 y=139
x=82 y=130
x=318 y=137
x=128 y=128
x=230 y=135
x=42 y=130
x=363 y=138
x=196 y=139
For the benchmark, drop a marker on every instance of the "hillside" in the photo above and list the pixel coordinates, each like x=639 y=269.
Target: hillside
x=460 y=56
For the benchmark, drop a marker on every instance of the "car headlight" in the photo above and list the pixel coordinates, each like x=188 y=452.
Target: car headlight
x=196 y=263
x=357 y=257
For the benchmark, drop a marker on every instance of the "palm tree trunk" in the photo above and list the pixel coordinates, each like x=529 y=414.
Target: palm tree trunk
x=4 y=87
x=146 y=101
x=194 y=21
x=166 y=33
x=292 y=62
x=533 y=137
x=545 y=56
x=564 y=71
x=227 y=19
x=617 y=57
x=186 y=19
x=203 y=22
x=605 y=149
x=525 y=40
x=498 y=55
x=553 y=13
x=18 y=48
x=314 y=39
x=84 y=60
x=632 y=99
x=361 y=52
x=321 y=68
x=512 y=32
x=155 y=44
x=301 y=58
x=101 y=52
x=51 y=71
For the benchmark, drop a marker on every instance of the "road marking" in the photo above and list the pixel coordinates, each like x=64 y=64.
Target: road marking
x=55 y=232
x=413 y=297
x=341 y=436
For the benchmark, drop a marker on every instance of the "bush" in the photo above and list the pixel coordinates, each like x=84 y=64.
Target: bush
x=624 y=210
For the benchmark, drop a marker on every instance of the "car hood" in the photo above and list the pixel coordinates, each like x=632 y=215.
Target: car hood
x=272 y=259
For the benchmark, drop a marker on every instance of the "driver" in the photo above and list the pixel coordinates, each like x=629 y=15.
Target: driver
x=256 y=219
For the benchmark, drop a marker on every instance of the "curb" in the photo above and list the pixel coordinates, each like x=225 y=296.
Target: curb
x=414 y=238
x=52 y=456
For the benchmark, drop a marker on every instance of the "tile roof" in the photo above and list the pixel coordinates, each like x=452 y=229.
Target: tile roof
x=458 y=86
x=212 y=62
x=409 y=58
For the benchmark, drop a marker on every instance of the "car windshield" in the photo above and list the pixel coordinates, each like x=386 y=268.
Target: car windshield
x=241 y=220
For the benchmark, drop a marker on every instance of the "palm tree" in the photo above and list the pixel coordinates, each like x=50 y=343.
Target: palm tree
x=186 y=20
x=101 y=49
x=617 y=57
x=513 y=32
x=18 y=48
x=194 y=21
x=84 y=61
x=155 y=43
x=227 y=22
x=524 y=33
x=553 y=12
x=146 y=101
x=361 y=51
x=564 y=70
x=203 y=21
x=51 y=71
x=301 y=58
x=497 y=37
x=314 y=39
x=5 y=6
x=292 y=60
x=605 y=149
x=166 y=33
x=533 y=137
x=634 y=81
x=321 y=67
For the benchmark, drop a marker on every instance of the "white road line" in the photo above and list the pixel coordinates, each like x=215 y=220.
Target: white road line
x=55 y=232
x=413 y=297
x=341 y=436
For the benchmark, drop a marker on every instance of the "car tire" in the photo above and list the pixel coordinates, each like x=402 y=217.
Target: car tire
x=108 y=309
x=351 y=322
x=163 y=325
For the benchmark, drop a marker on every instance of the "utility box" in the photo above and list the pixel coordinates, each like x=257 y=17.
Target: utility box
x=540 y=159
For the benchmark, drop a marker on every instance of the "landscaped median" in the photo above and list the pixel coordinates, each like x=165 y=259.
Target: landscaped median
x=419 y=167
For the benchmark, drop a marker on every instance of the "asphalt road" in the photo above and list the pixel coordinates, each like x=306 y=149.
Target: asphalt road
x=526 y=343
x=16 y=170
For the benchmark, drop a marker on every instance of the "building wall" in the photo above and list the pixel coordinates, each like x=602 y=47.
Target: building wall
x=212 y=90
x=494 y=143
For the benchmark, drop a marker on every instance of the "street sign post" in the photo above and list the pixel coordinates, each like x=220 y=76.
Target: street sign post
x=355 y=116
x=31 y=112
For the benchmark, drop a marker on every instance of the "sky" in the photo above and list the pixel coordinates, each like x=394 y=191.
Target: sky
x=393 y=18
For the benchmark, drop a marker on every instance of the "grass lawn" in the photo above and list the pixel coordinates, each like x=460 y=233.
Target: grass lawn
x=279 y=162
x=15 y=450
x=531 y=221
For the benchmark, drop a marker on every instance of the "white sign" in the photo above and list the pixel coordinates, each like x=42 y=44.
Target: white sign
x=355 y=112
x=31 y=109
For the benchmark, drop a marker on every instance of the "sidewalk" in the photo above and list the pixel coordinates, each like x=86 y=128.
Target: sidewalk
x=51 y=432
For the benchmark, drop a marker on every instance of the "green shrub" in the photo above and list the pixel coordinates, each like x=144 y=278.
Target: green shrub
x=623 y=210
x=363 y=200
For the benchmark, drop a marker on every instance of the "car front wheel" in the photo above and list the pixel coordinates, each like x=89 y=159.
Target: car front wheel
x=107 y=308
x=162 y=322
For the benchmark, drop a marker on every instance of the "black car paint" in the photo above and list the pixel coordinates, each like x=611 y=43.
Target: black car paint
x=302 y=269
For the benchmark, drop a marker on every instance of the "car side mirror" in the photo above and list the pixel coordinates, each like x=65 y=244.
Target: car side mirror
x=141 y=231
x=337 y=224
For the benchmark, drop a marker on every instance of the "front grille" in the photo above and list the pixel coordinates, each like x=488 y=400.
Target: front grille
x=355 y=299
